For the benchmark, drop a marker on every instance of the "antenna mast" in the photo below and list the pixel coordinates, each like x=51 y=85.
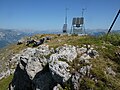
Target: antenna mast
x=65 y=24
x=66 y=15
x=83 y=11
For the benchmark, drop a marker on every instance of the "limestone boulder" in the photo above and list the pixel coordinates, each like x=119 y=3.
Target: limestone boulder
x=59 y=69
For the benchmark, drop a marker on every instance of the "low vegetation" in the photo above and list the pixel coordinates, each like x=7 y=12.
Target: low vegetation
x=4 y=83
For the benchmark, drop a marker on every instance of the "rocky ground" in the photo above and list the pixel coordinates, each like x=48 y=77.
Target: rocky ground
x=69 y=66
x=43 y=68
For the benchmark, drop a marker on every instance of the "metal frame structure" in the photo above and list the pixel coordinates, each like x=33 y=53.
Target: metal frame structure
x=78 y=25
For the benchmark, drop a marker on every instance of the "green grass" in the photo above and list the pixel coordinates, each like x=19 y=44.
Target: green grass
x=74 y=40
x=4 y=83
x=86 y=84
x=113 y=38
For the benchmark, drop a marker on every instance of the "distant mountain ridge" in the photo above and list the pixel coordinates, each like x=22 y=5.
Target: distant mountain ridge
x=98 y=32
x=8 y=36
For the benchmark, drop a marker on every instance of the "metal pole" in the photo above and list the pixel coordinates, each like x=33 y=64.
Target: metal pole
x=113 y=22
x=66 y=15
x=82 y=12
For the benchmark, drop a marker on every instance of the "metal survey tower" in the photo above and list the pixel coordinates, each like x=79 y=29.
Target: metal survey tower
x=65 y=24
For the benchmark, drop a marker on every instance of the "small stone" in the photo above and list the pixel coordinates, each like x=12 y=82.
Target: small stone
x=58 y=87
x=110 y=71
x=81 y=50
x=84 y=57
x=75 y=81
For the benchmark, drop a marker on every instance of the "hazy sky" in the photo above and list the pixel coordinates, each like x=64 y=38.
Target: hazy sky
x=49 y=14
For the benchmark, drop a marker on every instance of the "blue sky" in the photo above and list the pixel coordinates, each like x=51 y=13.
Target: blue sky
x=49 y=14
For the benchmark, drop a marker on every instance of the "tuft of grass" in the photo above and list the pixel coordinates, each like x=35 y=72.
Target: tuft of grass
x=4 y=83
x=113 y=38
x=87 y=84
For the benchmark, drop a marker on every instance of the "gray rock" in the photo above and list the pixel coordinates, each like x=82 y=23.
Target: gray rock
x=21 y=41
x=52 y=50
x=42 y=68
x=92 y=53
x=85 y=57
x=58 y=62
x=81 y=50
x=78 y=75
x=29 y=54
x=67 y=52
x=110 y=71
x=59 y=69
x=75 y=81
x=85 y=70
x=58 y=87
x=2 y=75
x=31 y=61
x=43 y=50
x=12 y=71
x=7 y=73
x=34 y=66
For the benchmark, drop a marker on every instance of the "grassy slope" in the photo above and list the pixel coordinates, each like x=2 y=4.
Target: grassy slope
x=7 y=52
x=106 y=49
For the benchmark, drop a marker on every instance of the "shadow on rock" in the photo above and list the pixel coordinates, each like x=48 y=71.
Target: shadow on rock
x=21 y=80
x=43 y=80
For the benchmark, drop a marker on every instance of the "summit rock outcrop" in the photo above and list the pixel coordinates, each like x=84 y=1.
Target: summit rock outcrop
x=42 y=68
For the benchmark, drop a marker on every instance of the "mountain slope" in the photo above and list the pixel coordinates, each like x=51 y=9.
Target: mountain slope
x=9 y=36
